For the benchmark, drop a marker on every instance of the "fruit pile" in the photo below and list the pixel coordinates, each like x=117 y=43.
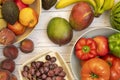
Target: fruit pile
x=8 y=65
x=60 y=31
x=11 y=52
x=48 y=70
x=99 y=6
x=15 y=17
x=79 y=19
x=101 y=54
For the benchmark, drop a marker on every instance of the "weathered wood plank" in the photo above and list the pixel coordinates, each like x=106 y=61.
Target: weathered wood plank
x=103 y=20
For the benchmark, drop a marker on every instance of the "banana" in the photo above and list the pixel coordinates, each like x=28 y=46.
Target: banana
x=99 y=4
x=65 y=3
x=108 y=4
x=91 y=2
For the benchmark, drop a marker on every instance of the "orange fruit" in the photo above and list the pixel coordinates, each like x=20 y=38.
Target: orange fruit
x=28 y=1
x=28 y=17
x=17 y=28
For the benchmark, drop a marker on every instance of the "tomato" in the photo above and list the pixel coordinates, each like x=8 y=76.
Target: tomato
x=102 y=45
x=95 y=69
x=114 y=63
x=17 y=28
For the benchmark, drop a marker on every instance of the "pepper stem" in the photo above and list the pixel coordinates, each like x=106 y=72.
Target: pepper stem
x=85 y=49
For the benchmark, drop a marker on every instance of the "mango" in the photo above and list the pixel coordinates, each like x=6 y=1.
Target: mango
x=81 y=16
x=59 y=31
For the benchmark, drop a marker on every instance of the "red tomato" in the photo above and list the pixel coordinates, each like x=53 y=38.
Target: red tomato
x=95 y=69
x=102 y=45
x=114 y=63
x=17 y=28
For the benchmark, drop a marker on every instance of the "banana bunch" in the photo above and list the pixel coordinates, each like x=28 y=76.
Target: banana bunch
x=103 y=5
x=99 y=6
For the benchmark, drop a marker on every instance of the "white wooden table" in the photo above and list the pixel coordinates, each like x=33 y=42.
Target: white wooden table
x=41 y=40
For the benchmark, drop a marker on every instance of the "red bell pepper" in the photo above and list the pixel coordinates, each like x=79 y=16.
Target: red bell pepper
x=85 y=48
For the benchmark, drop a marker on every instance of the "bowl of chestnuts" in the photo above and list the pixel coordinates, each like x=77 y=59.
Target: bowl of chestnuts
x=47 y=65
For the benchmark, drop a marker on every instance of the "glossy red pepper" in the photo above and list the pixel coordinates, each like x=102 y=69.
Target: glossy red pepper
x=85 y=48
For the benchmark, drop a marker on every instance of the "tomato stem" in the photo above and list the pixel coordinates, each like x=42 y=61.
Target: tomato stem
x=110 y=64
x=93 y=75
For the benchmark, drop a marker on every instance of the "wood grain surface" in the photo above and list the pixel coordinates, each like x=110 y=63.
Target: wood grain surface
x=41 y=40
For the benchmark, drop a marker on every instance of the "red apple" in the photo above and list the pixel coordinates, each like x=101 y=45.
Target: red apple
x=102 y=45
x=20 y=4
x=17 y=28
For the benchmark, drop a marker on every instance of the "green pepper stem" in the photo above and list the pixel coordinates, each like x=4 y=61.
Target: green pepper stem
x=86 y=49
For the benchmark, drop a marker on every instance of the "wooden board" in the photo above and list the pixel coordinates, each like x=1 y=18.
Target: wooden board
x=41 y=40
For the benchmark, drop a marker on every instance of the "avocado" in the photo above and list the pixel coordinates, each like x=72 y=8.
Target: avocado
x=10 y=12
x=47 y=4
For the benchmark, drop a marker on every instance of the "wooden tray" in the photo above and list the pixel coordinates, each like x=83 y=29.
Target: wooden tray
x=41 y=57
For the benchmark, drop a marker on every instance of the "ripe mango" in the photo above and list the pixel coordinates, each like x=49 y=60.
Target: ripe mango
x=59 y=31
x=81 y=16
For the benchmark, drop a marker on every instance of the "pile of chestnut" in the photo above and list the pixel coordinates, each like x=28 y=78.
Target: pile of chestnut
x=11 y=52
x=47 y=70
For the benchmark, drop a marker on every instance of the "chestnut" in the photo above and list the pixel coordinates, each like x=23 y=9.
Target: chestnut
x=10 y=52
x=8 y=64
x=26 y=46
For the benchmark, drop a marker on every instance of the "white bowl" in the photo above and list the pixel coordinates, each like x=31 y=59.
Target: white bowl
x=75 y=63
